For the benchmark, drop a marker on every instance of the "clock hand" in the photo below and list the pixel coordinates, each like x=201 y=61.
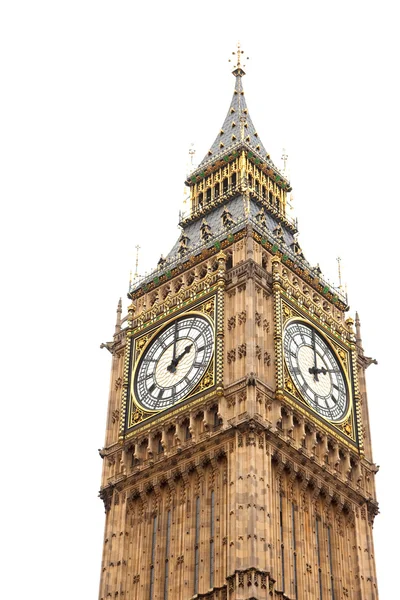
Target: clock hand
x=315 y=370
x=182 y=354
x=174 y=362
x=175 y=339
x=171 y=367
x=315 y=356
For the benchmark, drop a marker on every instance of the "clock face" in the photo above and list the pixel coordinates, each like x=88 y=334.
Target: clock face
x=315 y=371
x=173 y=362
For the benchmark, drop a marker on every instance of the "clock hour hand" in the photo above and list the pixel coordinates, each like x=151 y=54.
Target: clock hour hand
x=315 y=371
x=174 y=362
x=182 y=354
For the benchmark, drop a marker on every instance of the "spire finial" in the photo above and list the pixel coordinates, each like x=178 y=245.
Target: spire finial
x=238 y=70
x=238 y=52
x=284 y=159
x=339 y=260
x=358 y=332
x=137 y=261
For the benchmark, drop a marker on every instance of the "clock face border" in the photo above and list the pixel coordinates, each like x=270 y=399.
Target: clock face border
x=133 y=413
x=347 y=384
x=349 y=431
x=190 y=385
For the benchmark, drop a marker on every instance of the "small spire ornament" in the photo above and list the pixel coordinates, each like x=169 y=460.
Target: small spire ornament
x=339 y=260
x=137 y=261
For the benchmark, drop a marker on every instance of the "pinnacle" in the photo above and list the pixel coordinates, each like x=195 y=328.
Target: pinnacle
x=237 y=130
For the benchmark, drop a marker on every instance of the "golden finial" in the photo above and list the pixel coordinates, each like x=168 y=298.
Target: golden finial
x=192 y=152
x=339 y=260
x=137 y=261
x=284 y=158
x=238 y=69
x=130 y=279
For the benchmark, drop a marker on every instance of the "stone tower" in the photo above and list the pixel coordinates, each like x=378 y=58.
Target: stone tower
x=237 y=459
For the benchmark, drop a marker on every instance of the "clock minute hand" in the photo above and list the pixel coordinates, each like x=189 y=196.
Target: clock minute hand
x=171 y=367
x=175 y=340
x=315 y=370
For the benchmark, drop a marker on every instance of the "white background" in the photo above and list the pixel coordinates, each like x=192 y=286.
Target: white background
x=100 y=102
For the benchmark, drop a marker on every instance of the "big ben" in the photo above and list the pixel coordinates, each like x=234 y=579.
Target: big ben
x=237 y=462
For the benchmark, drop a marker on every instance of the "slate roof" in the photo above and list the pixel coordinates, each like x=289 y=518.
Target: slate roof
x=237 y=130
x=236 y=207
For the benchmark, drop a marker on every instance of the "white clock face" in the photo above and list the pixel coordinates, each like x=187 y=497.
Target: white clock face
x=315 y=371
x=174 y=362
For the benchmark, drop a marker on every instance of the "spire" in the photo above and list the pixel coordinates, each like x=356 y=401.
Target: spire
x=119 y=312
x=238 y=129
x=358 y=333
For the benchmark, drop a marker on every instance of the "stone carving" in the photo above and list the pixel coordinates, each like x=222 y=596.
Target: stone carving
x=260 y=217
x=242 y=317
x=231 y=356
x=231 y=323
x=267 y=359
x=183 y=244
x=227 y=220
x=205 y=231
x=241 y=350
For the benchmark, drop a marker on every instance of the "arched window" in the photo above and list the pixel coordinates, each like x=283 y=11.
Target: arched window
x=233 y=179
x=216 y=190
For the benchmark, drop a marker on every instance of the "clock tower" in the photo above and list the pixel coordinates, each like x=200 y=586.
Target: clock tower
x=237 y=462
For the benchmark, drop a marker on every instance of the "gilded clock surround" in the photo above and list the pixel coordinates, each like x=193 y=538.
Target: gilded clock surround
x=135 y=413
x=293 y=302
x=344 y=425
